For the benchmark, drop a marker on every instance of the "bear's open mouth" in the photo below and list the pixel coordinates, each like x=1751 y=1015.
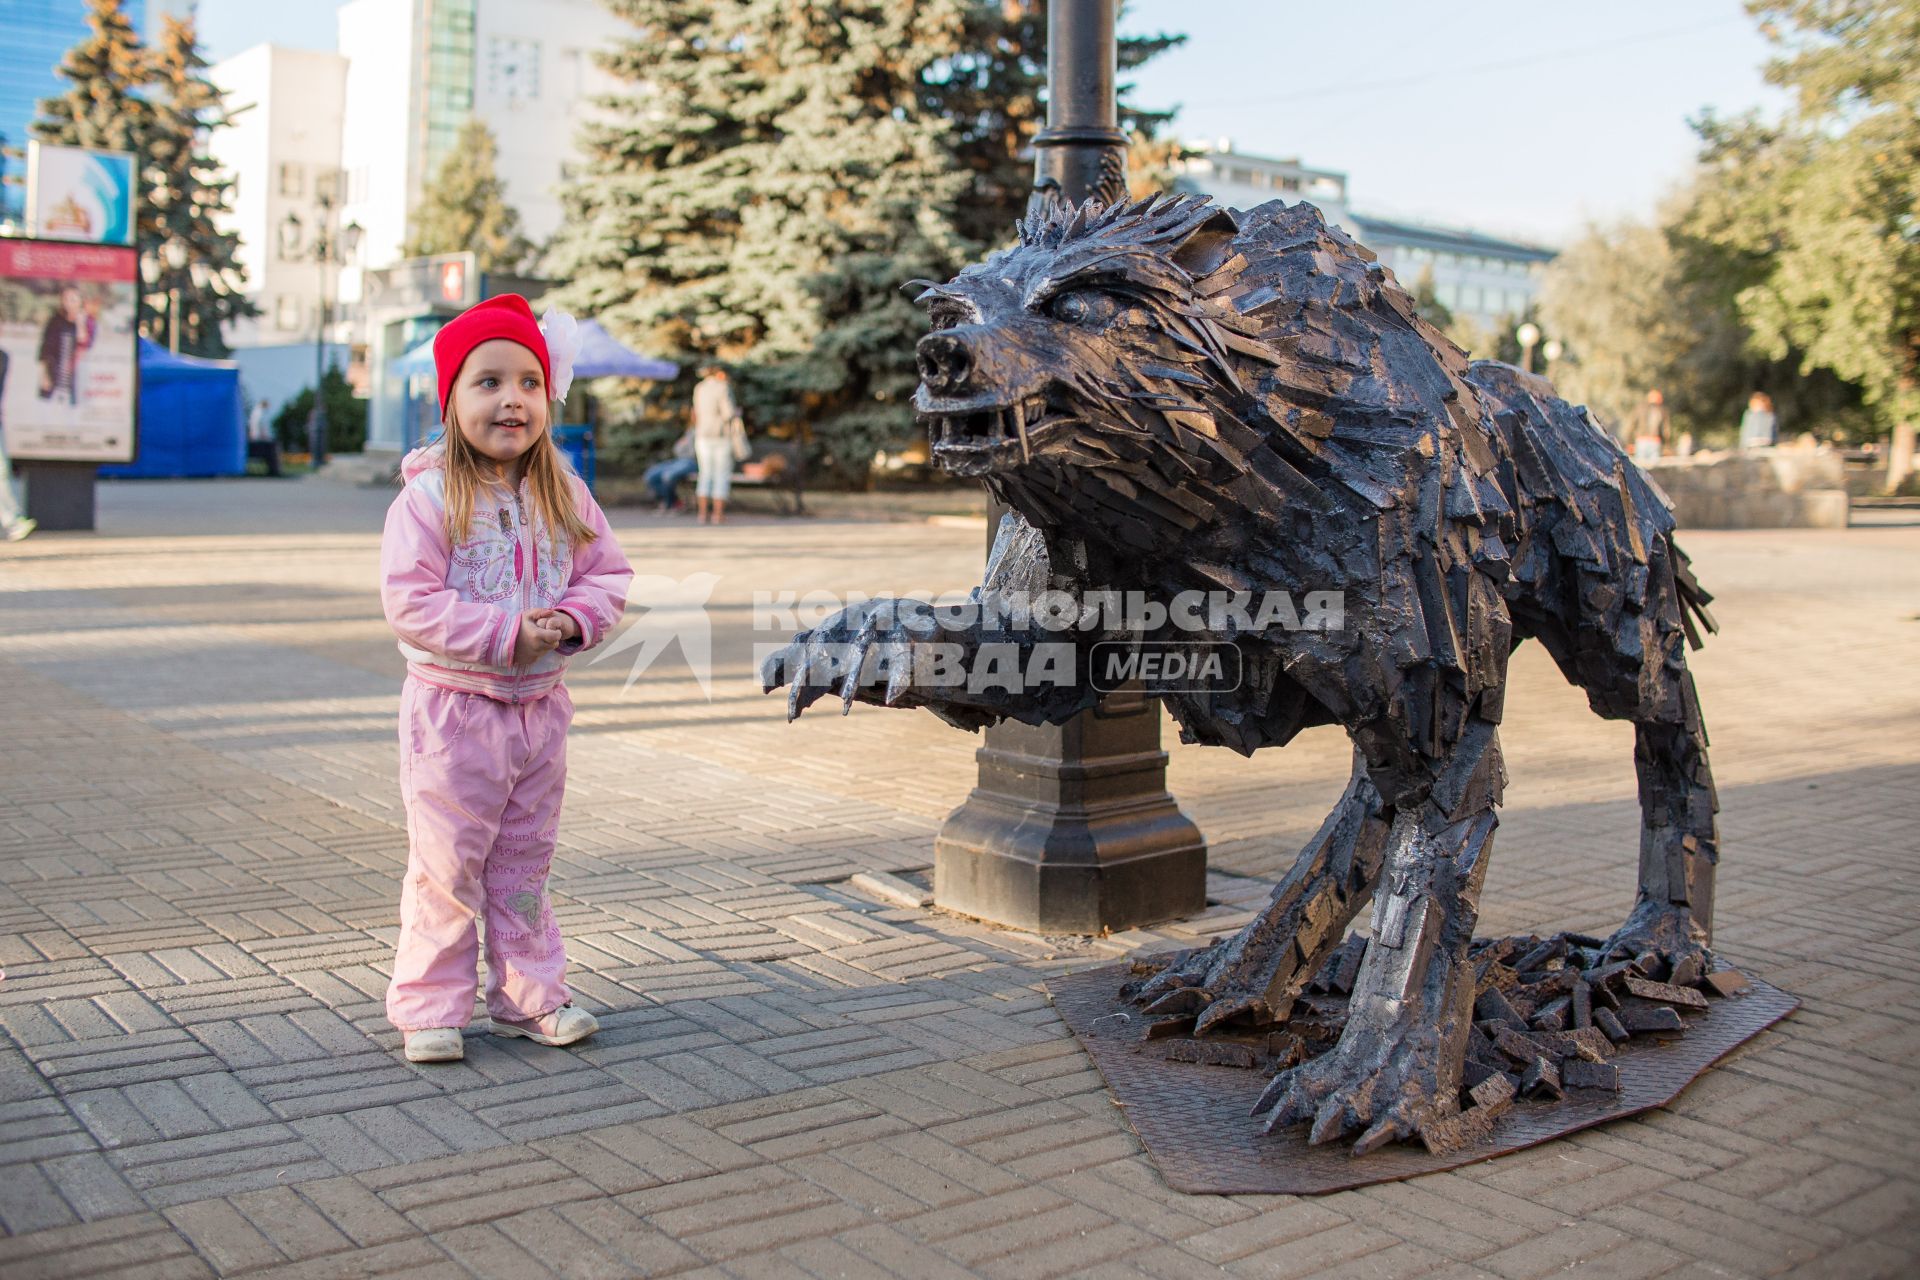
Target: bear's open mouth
x=983 y=440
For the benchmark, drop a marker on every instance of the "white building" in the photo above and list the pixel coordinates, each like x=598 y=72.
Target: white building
x=417 y=69
x=282 y=150
x=1484 y=278
x=367 y=127
x=1241 y=181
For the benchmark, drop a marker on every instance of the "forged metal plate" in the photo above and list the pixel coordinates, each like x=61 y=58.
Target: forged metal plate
x=1194 y=1120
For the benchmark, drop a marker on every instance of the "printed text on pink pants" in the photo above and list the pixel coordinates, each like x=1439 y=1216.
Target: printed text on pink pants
x=483 y=781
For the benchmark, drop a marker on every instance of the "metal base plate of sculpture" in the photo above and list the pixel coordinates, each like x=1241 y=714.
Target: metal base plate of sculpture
x=1220 y=408
x=1189 y=1100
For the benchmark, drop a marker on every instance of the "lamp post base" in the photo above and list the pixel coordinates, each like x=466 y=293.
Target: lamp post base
x=1071 y=829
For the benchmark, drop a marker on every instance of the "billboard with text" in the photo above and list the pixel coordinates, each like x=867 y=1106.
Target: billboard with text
x=69 y=387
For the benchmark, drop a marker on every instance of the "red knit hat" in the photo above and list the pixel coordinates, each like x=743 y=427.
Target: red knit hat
x=507 y=316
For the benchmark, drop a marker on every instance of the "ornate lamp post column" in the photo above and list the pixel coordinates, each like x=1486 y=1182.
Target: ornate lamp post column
x=329 y=248
x=1070 y=828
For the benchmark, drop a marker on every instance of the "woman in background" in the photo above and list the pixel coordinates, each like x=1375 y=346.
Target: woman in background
x=1758 y=425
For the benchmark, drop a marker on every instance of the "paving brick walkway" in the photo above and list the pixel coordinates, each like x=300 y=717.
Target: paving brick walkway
x=200 y=841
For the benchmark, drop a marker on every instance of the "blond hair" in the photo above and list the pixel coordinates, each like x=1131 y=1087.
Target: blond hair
x=467 y=469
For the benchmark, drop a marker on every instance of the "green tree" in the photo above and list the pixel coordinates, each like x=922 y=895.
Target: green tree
x=345 y=413
x=990 y=85
x=1645 y=305
x=160 y=106
x=1621 y=301
x=1426 y=301
x=1821 y=205
x=770 y=177
x=107 y=71
x=187 y=192
x=465 y=207
x=762 y=198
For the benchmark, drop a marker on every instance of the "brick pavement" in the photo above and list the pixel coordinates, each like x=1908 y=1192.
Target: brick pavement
x=200 y=841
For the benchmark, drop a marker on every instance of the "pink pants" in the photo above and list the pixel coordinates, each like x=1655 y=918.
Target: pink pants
x=483 y=782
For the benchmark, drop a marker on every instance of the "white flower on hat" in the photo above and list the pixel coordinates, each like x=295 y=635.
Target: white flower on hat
x=562 y=333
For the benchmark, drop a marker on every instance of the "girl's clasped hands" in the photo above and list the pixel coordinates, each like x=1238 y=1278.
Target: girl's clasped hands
x=541 y=632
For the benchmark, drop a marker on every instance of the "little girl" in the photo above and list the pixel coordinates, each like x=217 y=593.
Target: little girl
x=498 y=567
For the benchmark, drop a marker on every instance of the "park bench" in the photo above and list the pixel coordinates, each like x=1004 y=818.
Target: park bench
x=778 y=466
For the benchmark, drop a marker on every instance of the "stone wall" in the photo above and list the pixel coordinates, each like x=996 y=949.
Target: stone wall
x=1781 y=488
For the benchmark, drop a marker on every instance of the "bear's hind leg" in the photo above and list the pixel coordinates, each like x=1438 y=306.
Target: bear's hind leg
x=1679 y=840
x=1398 y=1065
x=1256 y=975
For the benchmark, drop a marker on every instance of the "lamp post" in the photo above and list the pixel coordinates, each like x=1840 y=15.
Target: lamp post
x=1070 y=828
x=175 y=252
x=327 y=247
x=1552 y=352
x=1528 y=335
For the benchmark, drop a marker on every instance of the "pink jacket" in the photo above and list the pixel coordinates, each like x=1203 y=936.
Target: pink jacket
x=457 y=609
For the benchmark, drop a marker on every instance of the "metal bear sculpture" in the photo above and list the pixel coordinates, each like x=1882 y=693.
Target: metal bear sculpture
x=1173 y=397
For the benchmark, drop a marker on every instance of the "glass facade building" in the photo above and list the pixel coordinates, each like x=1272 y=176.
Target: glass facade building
x=449 y=79
x=34 y=37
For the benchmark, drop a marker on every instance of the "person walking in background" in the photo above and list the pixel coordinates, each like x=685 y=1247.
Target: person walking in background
x=1758 y=425
x=719 y=440
x=498 y=566
x=260 y=441
x=1650 y=432
x=13 y=523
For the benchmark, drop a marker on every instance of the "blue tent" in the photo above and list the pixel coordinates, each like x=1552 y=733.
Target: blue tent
x=601 y=356
x=191 y=420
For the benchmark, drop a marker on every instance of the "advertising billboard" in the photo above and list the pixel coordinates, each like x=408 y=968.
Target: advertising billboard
x=68 y=351
x=79 y=193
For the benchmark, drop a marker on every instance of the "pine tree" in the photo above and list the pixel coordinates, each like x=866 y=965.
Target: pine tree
x=990 y=87
x=776 y=170
x=465 y=207
x=107 y=70
x=763 y=198
x=187 y=191
x=160 y=106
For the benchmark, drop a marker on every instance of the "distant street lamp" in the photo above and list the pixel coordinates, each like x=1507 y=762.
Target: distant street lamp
x=175 y=252
x=328 y=247
x=1552 y=352
x=1529 y=336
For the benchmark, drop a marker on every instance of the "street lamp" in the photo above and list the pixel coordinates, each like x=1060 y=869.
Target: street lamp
x=175 y=252
x=1529 y=336
x=1070 y=828
x=329 y=247
x=1552 y=352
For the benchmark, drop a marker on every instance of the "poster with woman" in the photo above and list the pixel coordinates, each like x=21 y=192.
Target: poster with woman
x=68 y=380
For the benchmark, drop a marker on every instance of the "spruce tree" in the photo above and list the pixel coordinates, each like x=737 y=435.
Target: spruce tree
x=107 y=71
x=991 y=88
x=187 y=191
x=160 y=106
x=764 y=196
x=465 y=207
x=773 y=173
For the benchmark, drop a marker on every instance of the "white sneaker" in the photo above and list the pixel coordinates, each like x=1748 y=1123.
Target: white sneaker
x=436 y=1044
x=563 y=1026
x=21 y=528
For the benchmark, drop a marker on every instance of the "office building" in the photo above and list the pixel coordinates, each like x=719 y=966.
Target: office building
x=1487 y=279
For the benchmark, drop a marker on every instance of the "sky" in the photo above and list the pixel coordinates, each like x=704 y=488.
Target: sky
x=1528 y=118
